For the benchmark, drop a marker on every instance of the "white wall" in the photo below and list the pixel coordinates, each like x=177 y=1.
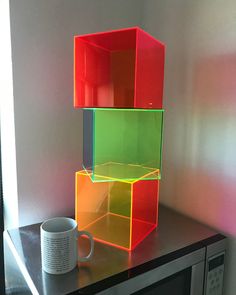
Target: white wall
x=47 y=128
x=8 y=152
x=199 y=159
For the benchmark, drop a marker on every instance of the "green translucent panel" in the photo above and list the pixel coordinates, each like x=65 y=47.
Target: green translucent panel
x=126 y=143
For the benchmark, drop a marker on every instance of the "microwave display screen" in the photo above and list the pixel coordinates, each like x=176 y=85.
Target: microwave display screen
x=215 y=262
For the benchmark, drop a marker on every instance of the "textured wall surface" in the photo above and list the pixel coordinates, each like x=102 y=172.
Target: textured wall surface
x=199 y=160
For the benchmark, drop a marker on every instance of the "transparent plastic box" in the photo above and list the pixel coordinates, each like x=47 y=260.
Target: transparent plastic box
x=118 y=213
x=122 y=144
x=118 y=69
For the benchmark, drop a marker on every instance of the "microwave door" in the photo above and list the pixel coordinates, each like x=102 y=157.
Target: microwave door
x=178 y=284
x=182 y=276
x=186 y=282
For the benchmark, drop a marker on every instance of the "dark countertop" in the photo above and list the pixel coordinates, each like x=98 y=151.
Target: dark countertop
x=175 y=236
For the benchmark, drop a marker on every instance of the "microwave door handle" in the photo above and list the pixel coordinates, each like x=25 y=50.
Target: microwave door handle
x=197 y=279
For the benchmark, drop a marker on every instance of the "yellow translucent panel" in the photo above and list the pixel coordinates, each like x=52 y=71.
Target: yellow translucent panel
x=103 y=209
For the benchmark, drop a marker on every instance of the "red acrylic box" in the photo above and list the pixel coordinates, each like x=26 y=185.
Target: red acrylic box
x=118 y=69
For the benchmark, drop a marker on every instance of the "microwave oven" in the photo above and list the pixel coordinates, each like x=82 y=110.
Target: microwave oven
x=200 y=272
x=180 y=257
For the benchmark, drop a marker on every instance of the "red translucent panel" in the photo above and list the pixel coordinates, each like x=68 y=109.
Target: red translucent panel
x=149 y=72
x=118 y=213
x=121 y=69
x=144 y=209
x=123 y=39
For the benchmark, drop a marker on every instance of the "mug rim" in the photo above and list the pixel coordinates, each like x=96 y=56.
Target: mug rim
x=75 y=225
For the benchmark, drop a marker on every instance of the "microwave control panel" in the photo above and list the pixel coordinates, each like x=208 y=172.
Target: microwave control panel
x=215 y=274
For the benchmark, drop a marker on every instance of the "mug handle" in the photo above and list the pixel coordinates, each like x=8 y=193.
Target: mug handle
x=85 y=233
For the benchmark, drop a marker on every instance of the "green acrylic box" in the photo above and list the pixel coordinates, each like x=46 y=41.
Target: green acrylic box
x=122 y=144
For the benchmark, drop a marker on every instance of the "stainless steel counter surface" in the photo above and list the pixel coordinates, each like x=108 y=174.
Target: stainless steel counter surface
x=175 y=236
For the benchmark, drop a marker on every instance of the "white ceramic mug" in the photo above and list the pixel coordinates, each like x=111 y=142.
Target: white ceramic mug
x=59 y=245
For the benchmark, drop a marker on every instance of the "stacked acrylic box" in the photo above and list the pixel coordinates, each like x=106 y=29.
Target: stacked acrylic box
x=119 y=85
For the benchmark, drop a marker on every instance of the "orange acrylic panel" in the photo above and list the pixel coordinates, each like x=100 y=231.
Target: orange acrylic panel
x=119 y=213
x=118 y=69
